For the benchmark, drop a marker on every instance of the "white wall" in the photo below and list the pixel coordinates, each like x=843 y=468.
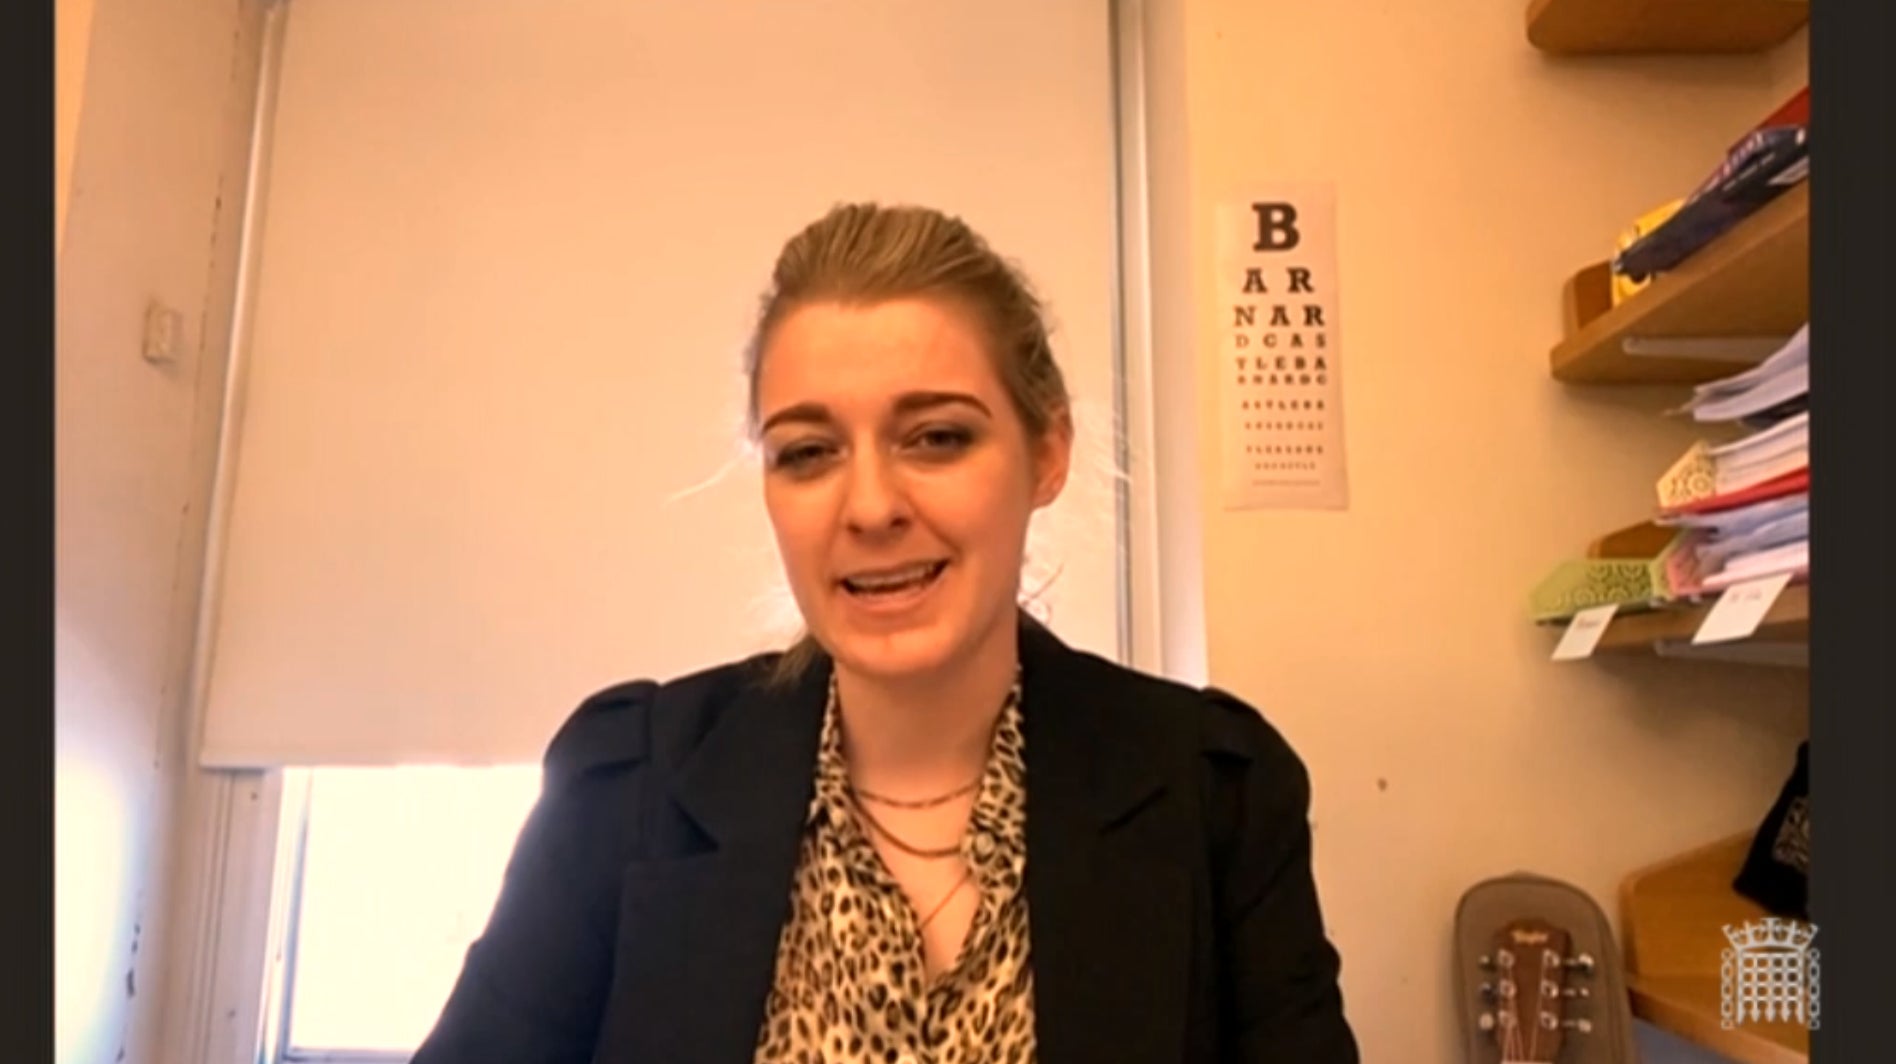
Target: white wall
x=157 y=157
x=1390 y=642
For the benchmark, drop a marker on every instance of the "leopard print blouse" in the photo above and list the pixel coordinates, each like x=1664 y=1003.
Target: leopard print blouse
x=850 y=986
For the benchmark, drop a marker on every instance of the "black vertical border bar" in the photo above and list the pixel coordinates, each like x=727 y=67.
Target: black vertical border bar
x=1853 y=340
x=27 y=584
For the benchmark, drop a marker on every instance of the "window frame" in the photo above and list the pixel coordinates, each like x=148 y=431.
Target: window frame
x=298 y=788
x=291 y=860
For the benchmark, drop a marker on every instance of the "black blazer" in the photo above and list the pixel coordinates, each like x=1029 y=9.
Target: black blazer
x=1172 y=912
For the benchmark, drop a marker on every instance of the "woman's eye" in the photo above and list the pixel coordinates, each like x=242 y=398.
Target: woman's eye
x=800 y=456
x=942 y=440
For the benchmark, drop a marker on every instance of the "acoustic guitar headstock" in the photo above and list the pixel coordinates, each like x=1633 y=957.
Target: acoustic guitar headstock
x=1532 y=980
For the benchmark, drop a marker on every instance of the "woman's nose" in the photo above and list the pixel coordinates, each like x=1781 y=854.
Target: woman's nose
x=874 y=501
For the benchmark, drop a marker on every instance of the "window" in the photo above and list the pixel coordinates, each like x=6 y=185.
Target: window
x=388 y=875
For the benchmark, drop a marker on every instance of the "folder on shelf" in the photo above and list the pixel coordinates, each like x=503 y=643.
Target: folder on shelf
x=1738 y=520
x=1707 y=474
x=1785 y=485
x=1631 y=568
x=1792 y=557
x=1775 y=532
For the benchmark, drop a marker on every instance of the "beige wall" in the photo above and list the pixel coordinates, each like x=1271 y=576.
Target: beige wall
x=1389 y=642
x=156 y=189
x=72 y=33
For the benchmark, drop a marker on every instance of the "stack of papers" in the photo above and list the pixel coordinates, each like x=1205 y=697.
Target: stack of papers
x=1771 y=454
x=1759 y=539
x=1747 y=502
x=1779 y=383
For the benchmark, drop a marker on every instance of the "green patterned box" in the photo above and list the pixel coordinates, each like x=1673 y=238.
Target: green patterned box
x=1582 y=583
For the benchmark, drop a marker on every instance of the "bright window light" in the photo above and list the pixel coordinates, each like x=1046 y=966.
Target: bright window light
x=395 y=873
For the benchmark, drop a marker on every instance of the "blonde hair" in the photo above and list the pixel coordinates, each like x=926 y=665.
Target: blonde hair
x=862 y=253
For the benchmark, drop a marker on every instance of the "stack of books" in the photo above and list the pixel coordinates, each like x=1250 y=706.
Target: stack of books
x=1743 y=507
x=1727 y=512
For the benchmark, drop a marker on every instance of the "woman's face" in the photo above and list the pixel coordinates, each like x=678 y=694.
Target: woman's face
x=899 y=481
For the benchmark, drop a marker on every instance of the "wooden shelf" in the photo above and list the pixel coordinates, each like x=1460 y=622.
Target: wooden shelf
x=1669 y=631
x=1672 y=915
x=1753 y=281
x=1605 y=27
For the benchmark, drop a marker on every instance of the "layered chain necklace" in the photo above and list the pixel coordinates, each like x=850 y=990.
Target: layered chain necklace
x=860 y=799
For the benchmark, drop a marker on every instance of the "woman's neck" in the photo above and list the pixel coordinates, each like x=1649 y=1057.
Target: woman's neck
x=926 y=735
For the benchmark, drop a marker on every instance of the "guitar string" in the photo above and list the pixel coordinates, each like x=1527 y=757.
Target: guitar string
x=1513 y=1037
x=1534 y=1039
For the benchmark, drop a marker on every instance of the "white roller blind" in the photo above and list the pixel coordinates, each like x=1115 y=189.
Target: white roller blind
x=510 y=251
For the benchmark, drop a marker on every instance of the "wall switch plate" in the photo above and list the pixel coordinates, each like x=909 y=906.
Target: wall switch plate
x=164 y=334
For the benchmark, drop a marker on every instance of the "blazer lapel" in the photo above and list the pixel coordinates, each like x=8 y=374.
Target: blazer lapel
x=1108 y=879
x=1108 y=884
x=700 y=930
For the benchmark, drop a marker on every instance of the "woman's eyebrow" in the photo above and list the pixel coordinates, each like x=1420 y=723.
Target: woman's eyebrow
x=908 y=403
x=813 y=413
x=913 y=402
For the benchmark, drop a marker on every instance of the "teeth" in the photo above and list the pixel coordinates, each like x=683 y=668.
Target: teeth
x=884 y=581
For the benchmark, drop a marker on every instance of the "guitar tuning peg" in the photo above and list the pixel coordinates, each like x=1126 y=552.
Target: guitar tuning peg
x=1583 y=963
x=1583 y=1026
x=1486 y=1021
x=1486 y=963
x=1576 y=992
x=1487 y=991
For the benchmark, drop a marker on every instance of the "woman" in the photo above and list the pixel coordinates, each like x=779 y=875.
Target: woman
x=929 y=832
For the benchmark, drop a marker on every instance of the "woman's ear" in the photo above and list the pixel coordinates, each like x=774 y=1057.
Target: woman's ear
x=1053 y=458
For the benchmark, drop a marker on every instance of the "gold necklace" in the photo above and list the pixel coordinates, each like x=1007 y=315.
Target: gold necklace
x=917 y=803
x=966 y=874
x=897 y=841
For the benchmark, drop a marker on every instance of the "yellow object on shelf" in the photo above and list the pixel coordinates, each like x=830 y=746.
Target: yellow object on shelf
x=1749 y=282
x=1624 y=287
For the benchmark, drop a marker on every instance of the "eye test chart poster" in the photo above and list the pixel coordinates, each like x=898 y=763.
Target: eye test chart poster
x=1281 y=396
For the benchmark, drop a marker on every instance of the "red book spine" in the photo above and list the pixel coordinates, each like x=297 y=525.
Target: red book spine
x=1794 y=111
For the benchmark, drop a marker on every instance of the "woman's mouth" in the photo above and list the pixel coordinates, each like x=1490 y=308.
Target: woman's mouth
x=886 y=584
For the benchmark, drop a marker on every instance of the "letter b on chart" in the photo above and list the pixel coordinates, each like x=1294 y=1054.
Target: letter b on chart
x=1276 y=227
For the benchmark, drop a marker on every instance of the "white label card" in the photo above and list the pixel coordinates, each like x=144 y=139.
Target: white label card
x=1584 y=632
x=1740 y=610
